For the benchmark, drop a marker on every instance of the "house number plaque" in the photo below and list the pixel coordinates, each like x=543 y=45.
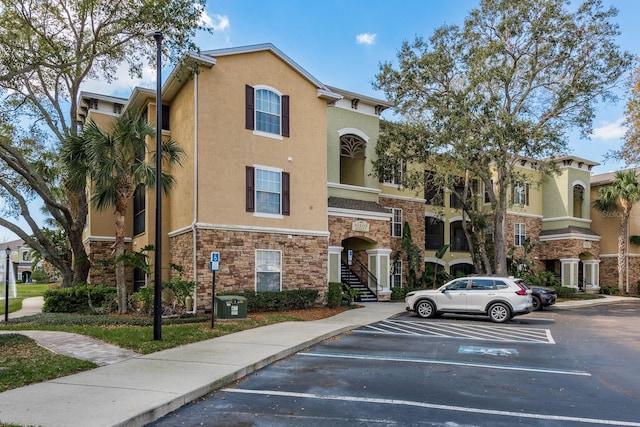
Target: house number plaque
x=360 y=226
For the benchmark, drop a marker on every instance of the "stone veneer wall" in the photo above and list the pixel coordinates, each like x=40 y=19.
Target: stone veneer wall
x=413 y=213
x=609 y=273
x=99 y=275
x=533 y=228
x=304 y=261
x=340 y=229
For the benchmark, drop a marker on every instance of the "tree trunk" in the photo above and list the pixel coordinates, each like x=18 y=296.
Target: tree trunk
x=622 y=249
x=121 y=282
x=500 y=247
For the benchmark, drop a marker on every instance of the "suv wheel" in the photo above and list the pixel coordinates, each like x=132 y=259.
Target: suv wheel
x=425 y=309
x=499 y=313
x=537 y=305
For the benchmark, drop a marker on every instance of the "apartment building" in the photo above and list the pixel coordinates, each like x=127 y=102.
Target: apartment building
x=607 y=225
x=259 y=134
x=278 y=178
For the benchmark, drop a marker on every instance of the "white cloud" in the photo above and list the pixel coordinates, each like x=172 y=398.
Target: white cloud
x=216 y=22
x=219 y=22
x=613 y=130
x=366 y=38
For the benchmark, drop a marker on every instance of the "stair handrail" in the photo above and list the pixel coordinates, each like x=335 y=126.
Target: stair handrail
x=365 y=271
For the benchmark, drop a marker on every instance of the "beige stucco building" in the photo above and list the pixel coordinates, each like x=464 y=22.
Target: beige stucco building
x=278 y=178
x=265 y=179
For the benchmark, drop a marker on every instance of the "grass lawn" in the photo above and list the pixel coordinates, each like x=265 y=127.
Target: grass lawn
x=24 y=362
x=25 y=290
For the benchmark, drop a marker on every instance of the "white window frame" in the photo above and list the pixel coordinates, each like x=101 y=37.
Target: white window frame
x=520 y=190
x=396 y=274
x=485 y=194
x=257 y=212
x=277 y=266
x=395 y=223
x=397 y=176
x=519 y=233
x=488 y=232
x=261 y=132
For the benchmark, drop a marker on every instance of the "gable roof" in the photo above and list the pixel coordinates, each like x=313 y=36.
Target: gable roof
x=324 y=92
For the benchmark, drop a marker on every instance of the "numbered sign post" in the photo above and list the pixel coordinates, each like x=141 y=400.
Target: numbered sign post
x=214 y=266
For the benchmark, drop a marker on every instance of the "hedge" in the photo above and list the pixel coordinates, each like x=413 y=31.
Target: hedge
x=79 y=299
x=334 y=295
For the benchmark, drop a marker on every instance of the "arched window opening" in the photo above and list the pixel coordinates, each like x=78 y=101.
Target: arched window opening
x=352 y=158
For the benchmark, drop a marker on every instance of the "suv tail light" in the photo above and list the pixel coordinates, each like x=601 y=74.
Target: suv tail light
x=522 y=291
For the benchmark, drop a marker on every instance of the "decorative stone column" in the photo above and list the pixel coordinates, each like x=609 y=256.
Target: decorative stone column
x=379 y=266
x=334 y=272
x=591 y=274
x=569 y=272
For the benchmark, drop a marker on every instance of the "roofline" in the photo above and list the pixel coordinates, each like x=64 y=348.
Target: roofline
x=610 y=176
x=324 y=91
x=575 y=158
x=110 y=98
x=365 y=98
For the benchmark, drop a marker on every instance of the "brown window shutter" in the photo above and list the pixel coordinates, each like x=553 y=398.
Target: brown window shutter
x=285 y=115
x=526 y=196
x=249 y=95
x=286 y=204
x=250 y=189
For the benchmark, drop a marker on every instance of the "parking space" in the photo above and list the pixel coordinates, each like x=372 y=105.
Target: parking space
x=447 y=371
x=459 y=330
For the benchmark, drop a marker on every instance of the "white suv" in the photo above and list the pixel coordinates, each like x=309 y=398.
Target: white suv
x=500 y=298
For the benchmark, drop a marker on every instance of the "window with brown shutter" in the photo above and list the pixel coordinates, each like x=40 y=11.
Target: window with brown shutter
x=250 y=107
x=285 y=115
x=286 y=206
x=250 y=198
x=267 y=111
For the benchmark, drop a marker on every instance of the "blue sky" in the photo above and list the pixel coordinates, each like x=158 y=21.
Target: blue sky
x=342 y=43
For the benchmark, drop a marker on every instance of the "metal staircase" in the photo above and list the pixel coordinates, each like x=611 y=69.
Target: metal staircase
x=351 y=279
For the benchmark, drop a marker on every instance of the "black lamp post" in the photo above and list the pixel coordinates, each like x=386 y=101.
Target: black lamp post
x=6 y=287
x=157 y=272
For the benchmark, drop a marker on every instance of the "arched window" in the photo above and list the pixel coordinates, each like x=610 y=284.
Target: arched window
x=459 y=241
x=352 y=158
x=434 y=233
x=461 y=269
x=578 y=200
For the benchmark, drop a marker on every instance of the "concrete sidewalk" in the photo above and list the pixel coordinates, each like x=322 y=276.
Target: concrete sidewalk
x=139 y=389
x=142 y=389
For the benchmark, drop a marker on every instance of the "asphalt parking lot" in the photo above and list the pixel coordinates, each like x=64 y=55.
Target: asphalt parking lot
x=550 y=368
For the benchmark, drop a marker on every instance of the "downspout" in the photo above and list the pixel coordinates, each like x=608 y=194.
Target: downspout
x=195 y=190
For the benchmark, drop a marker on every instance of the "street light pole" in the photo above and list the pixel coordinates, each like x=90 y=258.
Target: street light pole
x=6 y=288
x=157 y=274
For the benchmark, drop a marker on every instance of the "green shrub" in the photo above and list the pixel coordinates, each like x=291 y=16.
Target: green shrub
x=398 y=293
x=334 y=295
x=609 y=290
x=142 y=301
x=277 y=301
x=79 y=299
x=564 y=291
x=39 y=276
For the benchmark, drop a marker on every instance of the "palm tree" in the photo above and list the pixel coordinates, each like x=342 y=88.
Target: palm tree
x=117 y=166
x=620 y=196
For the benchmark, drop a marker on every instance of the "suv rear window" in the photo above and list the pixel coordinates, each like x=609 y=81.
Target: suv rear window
x=482 y=284
x=501 y=285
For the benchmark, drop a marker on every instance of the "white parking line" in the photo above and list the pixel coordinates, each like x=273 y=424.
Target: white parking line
x=460 y=330
x=432 y=406
x=445 y=362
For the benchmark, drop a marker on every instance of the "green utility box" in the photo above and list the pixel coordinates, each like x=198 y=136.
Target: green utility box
x=231 y=307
